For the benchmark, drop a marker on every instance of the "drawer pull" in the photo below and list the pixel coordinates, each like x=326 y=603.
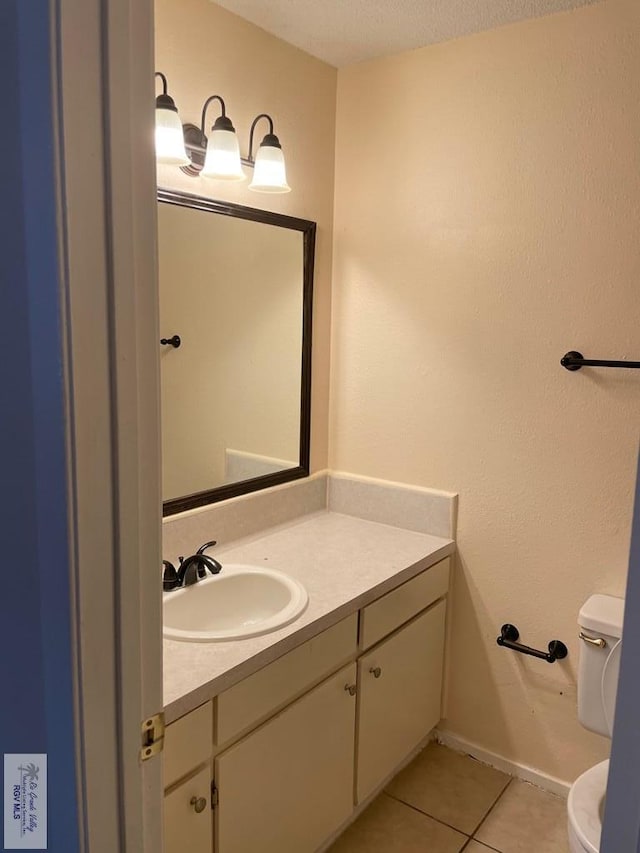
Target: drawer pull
x=351 y=689
x=199 y=804
x=375 y=671
x=600 y=642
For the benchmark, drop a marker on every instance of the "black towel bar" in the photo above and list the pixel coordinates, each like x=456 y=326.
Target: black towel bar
x=171 y=342
x=509 y=635
x=575 y=360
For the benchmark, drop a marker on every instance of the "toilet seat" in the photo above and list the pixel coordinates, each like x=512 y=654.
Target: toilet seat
x=586 y=806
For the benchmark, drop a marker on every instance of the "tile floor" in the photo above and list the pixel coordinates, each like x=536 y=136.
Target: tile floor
x=444 y=802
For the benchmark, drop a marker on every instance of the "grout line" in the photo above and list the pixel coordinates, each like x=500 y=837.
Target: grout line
x=430 y=816
x=444 y=823
x=470 y=837
x=495 y=803
x=482 y=844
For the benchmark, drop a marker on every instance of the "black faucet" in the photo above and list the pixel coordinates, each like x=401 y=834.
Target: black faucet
x=190 y=570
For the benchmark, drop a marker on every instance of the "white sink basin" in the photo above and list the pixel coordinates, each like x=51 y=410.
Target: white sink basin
x=242 y=601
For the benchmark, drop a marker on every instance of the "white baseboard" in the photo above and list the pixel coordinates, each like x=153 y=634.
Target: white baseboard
x=513 y=768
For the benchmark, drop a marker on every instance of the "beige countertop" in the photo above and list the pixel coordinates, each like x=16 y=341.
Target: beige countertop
x=344 y=563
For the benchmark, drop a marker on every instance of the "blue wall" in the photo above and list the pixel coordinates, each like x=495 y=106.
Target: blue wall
x=36 y=703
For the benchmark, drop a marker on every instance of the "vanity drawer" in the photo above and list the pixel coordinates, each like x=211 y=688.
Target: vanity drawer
x=256 y=697
x=187 y=744
x=401 y=604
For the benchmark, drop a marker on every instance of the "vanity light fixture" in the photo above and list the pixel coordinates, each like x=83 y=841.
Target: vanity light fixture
x=269 y=175
x=169 y=136
x=218 y=156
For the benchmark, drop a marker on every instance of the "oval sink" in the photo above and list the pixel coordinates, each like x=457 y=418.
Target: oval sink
x=242 y=601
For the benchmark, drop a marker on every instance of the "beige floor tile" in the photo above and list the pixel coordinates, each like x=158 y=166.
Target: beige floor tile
x=476 y=847
x=388 y=826
x=449 y=786
x=526 y=820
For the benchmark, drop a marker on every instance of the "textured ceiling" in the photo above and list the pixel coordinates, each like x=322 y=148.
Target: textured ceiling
x=345 y=31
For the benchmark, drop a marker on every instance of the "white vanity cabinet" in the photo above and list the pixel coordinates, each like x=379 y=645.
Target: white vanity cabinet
x=289 y=785
x=399 y=697
x=187 y=770
x=295 y=747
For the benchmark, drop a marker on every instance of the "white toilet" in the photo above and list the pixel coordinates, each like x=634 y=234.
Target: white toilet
x=600 y=633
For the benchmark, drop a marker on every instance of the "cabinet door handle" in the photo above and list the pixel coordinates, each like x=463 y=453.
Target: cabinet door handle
x=375 y=671
x=199 y=804
x=351 y=689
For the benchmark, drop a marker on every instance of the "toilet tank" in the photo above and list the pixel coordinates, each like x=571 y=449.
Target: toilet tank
x=600 y=619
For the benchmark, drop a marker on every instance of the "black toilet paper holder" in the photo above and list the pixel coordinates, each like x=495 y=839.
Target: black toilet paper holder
x=509 y=635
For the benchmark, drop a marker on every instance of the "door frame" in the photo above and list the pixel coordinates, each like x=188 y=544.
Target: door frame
x=104 y=102
x=621 y=829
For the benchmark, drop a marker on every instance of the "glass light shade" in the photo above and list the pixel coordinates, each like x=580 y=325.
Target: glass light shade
x=222 y=160
x=170 y=138
x=269 y=174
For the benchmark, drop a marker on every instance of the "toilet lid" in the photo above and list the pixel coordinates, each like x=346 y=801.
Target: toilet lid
x=586 y=805
x=610 y=676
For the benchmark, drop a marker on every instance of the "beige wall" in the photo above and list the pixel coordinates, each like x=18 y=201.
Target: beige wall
x=487 y=222
x=205 y=50
x=505 y=222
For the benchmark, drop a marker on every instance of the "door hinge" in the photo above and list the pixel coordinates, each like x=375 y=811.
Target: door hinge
x=214 y=794
x=152 y=736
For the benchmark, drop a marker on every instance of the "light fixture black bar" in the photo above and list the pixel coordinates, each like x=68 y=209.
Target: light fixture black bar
x=575 y=360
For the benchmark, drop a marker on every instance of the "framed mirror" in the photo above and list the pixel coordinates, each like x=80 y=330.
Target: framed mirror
x=236 y=290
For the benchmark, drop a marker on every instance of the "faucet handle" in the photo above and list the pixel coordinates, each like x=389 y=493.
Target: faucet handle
x=169 y=576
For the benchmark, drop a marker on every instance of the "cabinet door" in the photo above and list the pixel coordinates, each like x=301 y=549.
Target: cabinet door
x=188 y=824
x=400 y=686
x=287 y=786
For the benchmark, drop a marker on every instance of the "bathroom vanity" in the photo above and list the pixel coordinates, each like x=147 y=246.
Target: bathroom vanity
x=274 y=742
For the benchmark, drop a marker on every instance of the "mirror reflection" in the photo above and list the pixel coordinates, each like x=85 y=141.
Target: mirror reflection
x=235 y=289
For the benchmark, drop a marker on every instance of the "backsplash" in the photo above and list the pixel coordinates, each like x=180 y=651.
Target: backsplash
x=243 y=516
x=408 y=507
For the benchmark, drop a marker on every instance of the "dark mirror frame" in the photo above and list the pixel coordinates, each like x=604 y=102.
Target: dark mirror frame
x=308 y=230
